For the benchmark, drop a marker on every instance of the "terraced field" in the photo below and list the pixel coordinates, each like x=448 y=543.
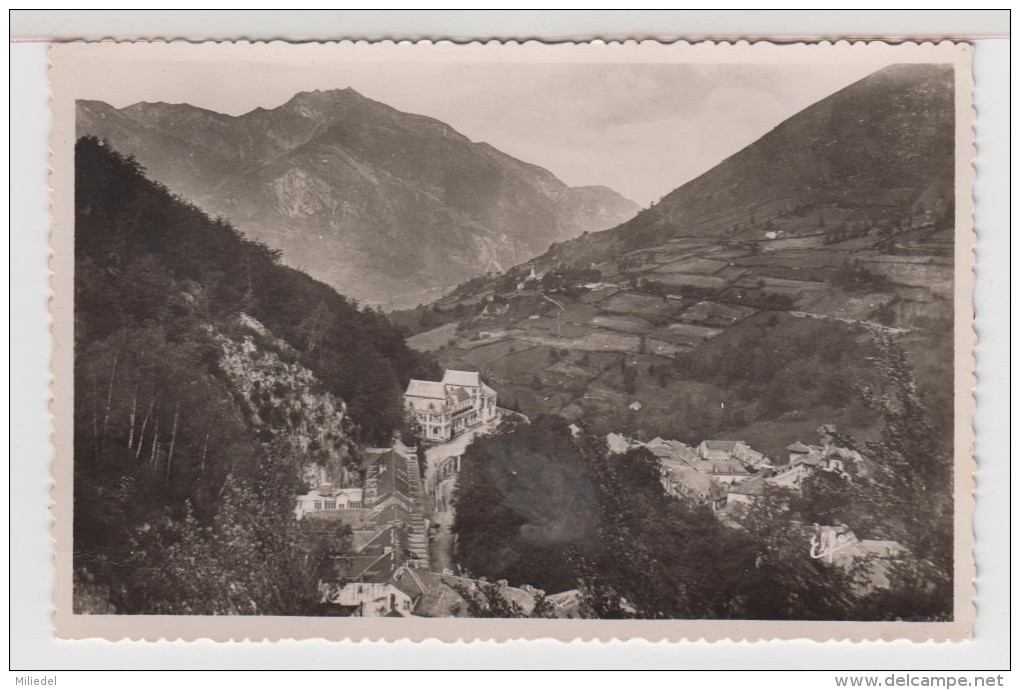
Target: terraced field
x=612 y=353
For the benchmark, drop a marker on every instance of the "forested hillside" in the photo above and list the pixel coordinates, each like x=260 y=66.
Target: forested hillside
x=540 y=504
x=208 y=377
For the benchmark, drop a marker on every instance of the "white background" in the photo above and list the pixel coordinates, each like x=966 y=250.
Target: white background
x=32 y=644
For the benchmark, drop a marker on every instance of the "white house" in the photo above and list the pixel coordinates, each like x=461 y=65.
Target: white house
x=370 y=599
x=444 y=409
x=325 y=498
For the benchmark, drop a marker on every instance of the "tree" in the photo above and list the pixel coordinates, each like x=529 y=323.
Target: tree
x=781 y=581
x=171 y=454
x=488 y=600
x=523 y=500
x=913 y=467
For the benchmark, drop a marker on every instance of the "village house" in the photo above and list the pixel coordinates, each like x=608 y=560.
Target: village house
x=870 y=560
x=737 y=450
x=804 y=461
x=685 y=473
x=327 y=498
x=724 y=470
x=385 y=515
x=368 y=599
x=438 y=595
x=827 y=456
x=789 y=477
x=444 y=409
x=687 y=482
x=746 y=492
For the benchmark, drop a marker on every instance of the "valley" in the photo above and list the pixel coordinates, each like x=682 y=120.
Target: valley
x=642 y=346
x=618 y=422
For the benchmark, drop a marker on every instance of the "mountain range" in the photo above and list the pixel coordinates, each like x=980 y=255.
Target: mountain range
x=388 y=207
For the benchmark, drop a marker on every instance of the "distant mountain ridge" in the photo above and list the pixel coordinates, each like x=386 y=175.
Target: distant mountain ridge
x=389 y=207
x=883 y=144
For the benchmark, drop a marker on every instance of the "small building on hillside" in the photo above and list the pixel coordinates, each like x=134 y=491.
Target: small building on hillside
x=797 y=451
x=871 y=561
x=444 y=409
x=725 y=471
x=618 y=443
x=327 y=498
x=441 y=595
x=686 y=482
x=368 y=599
x=746 y=492
x=827 y=456
x=737 y=450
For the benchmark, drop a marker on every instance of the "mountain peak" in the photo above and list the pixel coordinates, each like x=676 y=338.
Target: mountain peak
x=317 y=96
x=388 y=206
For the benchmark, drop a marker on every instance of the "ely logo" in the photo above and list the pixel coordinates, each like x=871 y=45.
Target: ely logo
x=827 y=542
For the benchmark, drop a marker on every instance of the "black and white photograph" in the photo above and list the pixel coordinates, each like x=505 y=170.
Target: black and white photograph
x=458 y=332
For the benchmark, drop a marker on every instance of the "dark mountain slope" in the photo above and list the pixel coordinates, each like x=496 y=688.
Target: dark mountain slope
x=389 y=207
x=209 y=380
x=883 y=144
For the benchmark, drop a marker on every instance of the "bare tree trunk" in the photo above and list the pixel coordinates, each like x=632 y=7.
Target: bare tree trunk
x=230 y=474
x=173 y=440
x=155 y=441
x=95 y=433
x=109 y=389
x=95 y=419
x=145 y=422
x=205 y=445
x=131 y=431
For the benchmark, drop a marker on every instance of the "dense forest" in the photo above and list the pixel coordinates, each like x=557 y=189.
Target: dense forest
x=567 y=514
x=181 y=479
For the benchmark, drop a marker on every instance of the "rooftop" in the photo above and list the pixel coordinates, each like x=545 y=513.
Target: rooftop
x=453 y=377
x=728 y=446
x=752 y=487
x=426 y=389
x=458 y=394
x=727 y=466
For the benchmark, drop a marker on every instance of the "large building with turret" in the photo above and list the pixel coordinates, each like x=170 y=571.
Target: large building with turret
x=444 y=409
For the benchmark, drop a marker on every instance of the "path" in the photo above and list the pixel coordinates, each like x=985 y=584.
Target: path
x=867 y=324
x=550 y=299
x=442 y=462
x=441 y=545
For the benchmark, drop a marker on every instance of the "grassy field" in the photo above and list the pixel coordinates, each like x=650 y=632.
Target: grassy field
x=782 y=284
x=430 y=341
x=596 y=296
x=844 y=305
x=684 y=334
x=664 y=348
x=638 y=304
x=929 y=276
x=626 y=324
x=553 y=326
x=694 y=264
x=485 y=355
x=683 y=280
x=715 y=314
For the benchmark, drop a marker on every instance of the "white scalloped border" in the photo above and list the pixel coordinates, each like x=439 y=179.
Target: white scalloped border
x=237 y=629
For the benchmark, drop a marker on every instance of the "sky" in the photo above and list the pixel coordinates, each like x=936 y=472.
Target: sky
x=640 y=129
